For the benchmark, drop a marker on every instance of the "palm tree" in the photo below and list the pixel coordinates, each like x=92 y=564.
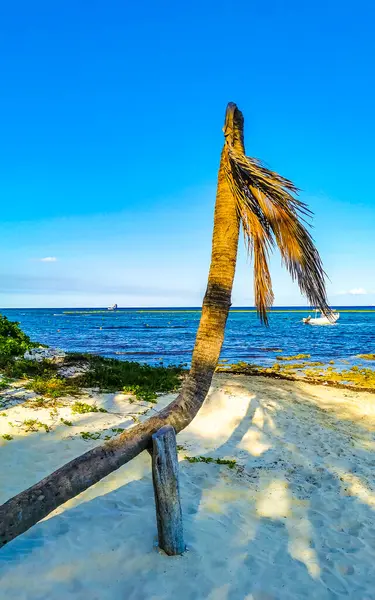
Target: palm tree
x=264 y=203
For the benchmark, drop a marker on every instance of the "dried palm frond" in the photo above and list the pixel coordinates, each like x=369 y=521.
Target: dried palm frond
x=272 y=215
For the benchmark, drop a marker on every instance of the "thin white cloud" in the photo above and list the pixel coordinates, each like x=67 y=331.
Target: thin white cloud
x=354 y=292
x=357 y=292
x=48 y=259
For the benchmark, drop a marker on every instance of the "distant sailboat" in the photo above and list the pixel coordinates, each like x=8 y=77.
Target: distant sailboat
x=113 y=307
x=324 y=319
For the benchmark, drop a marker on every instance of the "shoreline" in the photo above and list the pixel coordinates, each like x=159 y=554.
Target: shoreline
x=303 y=379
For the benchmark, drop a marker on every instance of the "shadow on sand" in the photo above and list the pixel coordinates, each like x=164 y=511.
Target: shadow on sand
x=294 y=519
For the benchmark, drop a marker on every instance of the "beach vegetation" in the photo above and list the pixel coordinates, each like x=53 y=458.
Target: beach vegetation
x=53 y=387
x=90 y=435
x=4 y=383
x=42 y=402
x=26 y=369
x=144 y=381
x=82 y=408
x=7 y=436
x=77 y=357
x=141 y=393
x=34 y=425
x=13 y=341
x=66 y=422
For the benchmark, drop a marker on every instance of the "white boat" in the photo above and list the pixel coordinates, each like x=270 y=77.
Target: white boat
x=113 y=307
x=325 y=319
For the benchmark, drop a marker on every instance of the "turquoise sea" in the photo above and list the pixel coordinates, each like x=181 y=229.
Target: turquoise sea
x=152 y=335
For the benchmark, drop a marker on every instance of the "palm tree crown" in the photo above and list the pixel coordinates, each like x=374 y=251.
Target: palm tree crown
x=271 y=216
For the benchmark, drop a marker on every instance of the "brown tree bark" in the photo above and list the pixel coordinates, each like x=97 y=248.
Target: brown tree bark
x=27 y=508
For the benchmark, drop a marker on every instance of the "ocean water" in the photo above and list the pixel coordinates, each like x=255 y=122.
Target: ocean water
x=152 y=335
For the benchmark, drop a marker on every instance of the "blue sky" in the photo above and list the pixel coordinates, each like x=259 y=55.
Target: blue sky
x=111 y=137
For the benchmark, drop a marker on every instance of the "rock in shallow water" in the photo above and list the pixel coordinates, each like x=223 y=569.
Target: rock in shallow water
x=54 y=355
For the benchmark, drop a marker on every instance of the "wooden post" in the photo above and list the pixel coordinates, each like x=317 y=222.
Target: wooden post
x=167 y=491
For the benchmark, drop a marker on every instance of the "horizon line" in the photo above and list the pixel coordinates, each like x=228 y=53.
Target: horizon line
x=233 y=307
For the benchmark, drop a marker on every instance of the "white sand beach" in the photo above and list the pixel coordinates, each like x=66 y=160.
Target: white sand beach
x=295 y=518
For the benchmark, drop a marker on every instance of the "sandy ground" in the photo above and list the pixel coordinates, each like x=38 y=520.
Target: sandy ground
x=295 y=519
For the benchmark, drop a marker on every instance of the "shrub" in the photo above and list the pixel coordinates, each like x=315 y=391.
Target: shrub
x=13 y=341
x=28 y=368
x=4 y=383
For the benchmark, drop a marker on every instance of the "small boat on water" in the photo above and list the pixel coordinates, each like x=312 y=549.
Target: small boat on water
x=324 y=319
x=113 y=307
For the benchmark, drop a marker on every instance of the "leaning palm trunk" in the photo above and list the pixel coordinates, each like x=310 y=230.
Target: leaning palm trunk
x=261 y=200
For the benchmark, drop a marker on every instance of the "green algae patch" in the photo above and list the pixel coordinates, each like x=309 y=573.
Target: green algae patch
x=295 y=357
x=356 y=377
x=361 y=378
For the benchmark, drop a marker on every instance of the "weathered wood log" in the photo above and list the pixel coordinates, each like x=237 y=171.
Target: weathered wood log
x=23 y=511
x=167 y=491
